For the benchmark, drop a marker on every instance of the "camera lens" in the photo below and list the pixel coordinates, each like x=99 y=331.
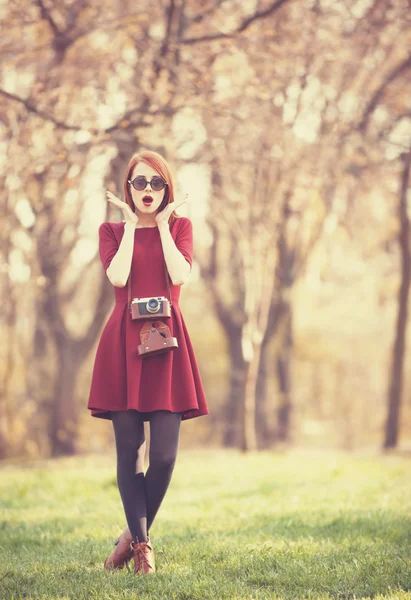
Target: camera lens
x=153 y=305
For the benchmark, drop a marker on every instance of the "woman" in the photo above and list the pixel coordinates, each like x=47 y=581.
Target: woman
x=129 y=388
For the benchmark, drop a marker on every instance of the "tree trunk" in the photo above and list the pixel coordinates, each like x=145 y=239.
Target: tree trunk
x=262 y=423
x=10 y=316
x=249 y=441
x=64 y=417
x=238 y=375
x=397 y=362
x=284 y=377
x=264 y=404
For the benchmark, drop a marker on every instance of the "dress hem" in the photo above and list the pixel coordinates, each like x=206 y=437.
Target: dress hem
x=105 y=414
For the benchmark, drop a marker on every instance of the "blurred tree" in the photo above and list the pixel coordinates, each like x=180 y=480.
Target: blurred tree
x=285 y=100
x=398 y=356
x=386 y=121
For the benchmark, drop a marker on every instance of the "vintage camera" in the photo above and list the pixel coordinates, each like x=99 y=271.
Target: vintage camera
x=147 y=308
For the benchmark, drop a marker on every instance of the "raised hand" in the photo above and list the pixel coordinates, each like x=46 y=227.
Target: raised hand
x=129 y=215
x=163 y=216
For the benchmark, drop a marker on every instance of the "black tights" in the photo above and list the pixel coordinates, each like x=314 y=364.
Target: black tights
x=142 y=494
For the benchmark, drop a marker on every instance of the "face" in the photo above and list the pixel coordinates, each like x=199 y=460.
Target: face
x=148 y=206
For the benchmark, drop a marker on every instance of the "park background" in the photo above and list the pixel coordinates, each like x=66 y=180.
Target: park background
x=289 y=125
x=288 y=122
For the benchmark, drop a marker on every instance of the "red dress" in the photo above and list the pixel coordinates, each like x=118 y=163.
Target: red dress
x=123 y=380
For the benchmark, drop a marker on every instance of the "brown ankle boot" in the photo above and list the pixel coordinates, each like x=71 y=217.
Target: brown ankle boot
x=123 y=552
x=143 y=555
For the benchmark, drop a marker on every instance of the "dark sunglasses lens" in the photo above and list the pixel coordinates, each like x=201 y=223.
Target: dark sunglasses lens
x=140 y=183
x=157 y=183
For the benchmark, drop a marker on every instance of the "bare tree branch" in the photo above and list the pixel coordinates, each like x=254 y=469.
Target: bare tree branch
x=124 y=122
x=47 y=17
x=30 y=107
x=375 y=100
x=206 y=13
x=242 y=27
x=126 y=119
x=63 y=39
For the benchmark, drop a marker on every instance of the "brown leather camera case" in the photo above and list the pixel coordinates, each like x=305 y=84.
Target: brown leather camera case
x=152 y=340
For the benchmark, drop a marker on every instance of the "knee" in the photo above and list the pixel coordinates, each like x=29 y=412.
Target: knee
x=163 y=460
x=130 y=449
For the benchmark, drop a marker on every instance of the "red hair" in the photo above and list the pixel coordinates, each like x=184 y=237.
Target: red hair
x=159 y=164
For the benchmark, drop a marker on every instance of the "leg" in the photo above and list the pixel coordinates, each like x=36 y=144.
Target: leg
x=164 y=437
x=129 y=434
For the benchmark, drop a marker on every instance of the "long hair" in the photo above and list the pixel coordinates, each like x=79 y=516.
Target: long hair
x=159 y=164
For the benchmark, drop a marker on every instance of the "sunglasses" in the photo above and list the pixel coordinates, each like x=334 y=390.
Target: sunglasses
x=140 y=183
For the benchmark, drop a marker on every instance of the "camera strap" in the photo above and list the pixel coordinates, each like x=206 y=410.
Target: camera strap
x=167 y=281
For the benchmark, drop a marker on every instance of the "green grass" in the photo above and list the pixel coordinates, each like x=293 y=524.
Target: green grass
x=263 y=525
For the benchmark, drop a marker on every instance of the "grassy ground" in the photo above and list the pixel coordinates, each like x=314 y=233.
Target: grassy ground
x=293 y=525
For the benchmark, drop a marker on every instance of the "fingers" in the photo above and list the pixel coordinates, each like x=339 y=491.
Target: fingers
x=117 y=202
x=110 y=196
x=180 y=202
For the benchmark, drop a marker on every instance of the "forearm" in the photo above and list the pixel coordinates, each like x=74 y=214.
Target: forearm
x=120 y=266
x=178 y=267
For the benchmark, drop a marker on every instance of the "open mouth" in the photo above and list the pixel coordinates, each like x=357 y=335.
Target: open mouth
x=147 y=200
